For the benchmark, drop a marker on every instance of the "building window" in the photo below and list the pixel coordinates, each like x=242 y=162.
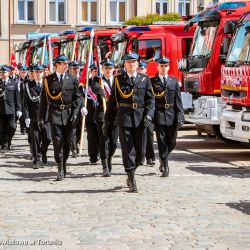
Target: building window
x=26 y=10
x=57 y=11
x=184 y=7
x=161 y=7
x=89 y=11
x=117 y=11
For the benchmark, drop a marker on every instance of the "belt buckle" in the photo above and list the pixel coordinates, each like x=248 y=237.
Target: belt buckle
x=167 y=106
x=62 y=106
x=135 y=105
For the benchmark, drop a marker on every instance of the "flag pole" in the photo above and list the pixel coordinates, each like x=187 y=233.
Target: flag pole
x=92 y=34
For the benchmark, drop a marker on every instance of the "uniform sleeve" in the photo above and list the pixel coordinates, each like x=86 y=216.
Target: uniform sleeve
x=149 y=99
x=178 y=103
x=43 y=104
x=17 y=98
x=77 y=100
x=111 y=104
x=25 y=103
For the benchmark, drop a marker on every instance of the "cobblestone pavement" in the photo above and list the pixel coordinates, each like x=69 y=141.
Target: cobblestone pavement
x=204 y=204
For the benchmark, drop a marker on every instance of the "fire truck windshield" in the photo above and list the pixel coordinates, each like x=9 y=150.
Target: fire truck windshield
x=118 y=52
x=203 y=41
x=81 y=54
x=239 y=51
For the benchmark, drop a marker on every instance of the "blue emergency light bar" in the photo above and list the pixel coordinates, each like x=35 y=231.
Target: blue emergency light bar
x=231 y=5
x=84 y=29
x=67 y=32
x=138 y=29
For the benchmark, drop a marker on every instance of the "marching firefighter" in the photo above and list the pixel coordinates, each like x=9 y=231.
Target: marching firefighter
x=60 y=95
x=10 y=108
x=92 y=133
x=131 y=93
x=74 y=69
x=23 y=72
x=168 y=112
x=109 y=135
x=150 y=155
x=40 y=137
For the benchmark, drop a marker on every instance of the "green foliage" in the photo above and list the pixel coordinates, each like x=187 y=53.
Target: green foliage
x=150 y=18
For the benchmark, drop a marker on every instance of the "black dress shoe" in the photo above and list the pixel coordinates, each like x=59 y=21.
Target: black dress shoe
x=36 y=166
x=60 y=174
x=110 y=164
x=105 y=172
x=165 y=168
x=74 y=154
x=131 y=182
x=150 y=162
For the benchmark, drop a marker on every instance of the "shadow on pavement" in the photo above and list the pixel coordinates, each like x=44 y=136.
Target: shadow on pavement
x=88 y=191
x=220 y=171
x=243 y=206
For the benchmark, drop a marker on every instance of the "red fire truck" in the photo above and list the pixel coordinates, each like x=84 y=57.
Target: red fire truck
x=235 y=83
x=81 y=38
x=164 y=39
x=202 y=68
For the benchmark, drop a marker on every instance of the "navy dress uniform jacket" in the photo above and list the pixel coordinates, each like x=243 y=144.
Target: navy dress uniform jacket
x=10 y=102
x=70 y=98
x=142 y=98
x=174 y=113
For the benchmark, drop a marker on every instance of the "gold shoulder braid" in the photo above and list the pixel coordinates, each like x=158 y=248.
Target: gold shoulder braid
x=158 y=95
x=55 y=98
x=125 y=96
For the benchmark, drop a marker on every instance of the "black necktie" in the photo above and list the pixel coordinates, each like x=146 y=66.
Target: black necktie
x=165 y=81
x=108 y=81
x=39 y=86
x=61 y=79
x=132 y=79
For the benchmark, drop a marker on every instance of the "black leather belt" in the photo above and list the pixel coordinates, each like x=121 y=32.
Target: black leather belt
x=131 y=105
x=165 y=106
x=60 y=106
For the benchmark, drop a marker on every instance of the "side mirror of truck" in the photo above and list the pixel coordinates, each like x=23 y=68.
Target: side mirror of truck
x=224 y=48
x=229 y=28
x=226 y=44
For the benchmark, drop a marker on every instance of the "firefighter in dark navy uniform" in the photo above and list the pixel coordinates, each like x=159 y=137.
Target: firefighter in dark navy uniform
x=74 y=69
x=60 y=95
x=10 y=108
x=23 y=71
x=132 y=94
x=169 y=114
x=107 y=140
x=150 y=155
x=92 y=133
x=40 y=139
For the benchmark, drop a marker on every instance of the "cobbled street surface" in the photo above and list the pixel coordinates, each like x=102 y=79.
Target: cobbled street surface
x=204 y=204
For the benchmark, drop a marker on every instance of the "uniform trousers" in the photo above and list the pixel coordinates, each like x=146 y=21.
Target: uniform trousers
x=40 y=141
x=7 y=129
x=133 y=143
x=107 y=144
x=166 y=140
x=93 y=140
x=61 y=137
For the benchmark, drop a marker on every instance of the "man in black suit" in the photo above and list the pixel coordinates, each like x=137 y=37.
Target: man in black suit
x=61 y=97
x=168 y=112
x=40 y=138
x=10 y=108
x=108 y=138
x=131 y=93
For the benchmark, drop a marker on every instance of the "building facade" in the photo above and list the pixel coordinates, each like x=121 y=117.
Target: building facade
x=22 y=17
